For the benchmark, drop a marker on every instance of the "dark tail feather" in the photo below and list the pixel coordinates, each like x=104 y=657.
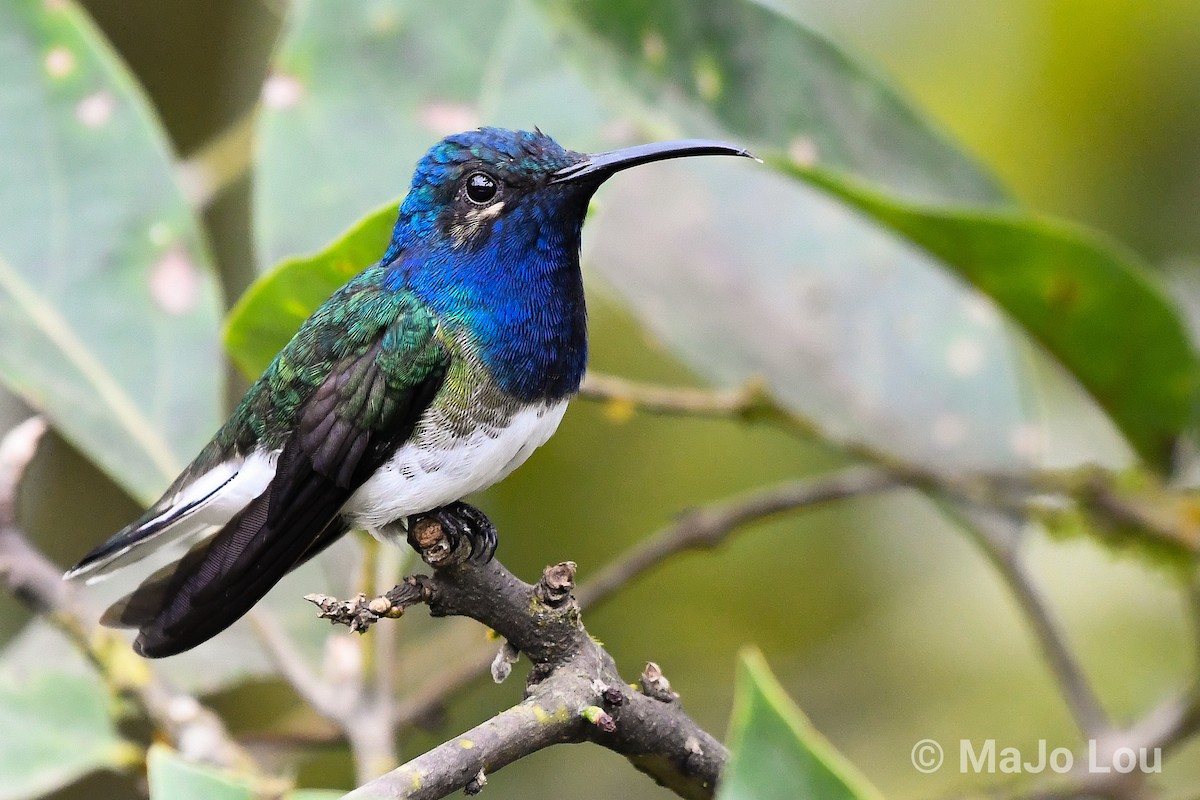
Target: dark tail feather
x=219 y=580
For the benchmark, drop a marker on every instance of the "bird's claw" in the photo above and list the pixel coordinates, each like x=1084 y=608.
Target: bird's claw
x=463 y=529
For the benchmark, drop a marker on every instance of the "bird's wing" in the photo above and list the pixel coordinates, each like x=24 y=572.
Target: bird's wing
x=388 y=362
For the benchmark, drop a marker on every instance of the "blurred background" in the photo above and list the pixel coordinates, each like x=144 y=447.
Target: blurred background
x=882 y=620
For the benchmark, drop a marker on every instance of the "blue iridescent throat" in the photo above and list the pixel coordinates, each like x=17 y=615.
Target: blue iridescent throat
x=518 y=293
x=509 y=277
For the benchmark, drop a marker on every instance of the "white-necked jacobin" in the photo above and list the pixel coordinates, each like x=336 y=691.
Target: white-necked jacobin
x=427 y=377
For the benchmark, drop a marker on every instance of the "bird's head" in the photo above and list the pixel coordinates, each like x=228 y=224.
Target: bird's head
x=488 y=238
x=511 y=190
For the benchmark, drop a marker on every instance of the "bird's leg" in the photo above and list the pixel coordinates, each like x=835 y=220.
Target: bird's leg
x=452 y=534
x=445 y=536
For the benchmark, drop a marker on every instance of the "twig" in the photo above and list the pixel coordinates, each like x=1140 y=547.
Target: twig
x=749 y=403
x=192 y=729
x=1090 y=489
x=380 y=698
x=294 y=669
x=220 y=162
x=368 y=715
x=574 y=692
x=703 y=527
x=999 y=535
x=17 y=449
x=361 y=713
x=708 y=526
x=427 y=698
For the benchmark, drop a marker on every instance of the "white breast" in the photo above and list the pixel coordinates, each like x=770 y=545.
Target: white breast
x=435 y=468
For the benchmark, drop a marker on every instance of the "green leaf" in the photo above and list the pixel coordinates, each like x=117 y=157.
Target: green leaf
x=578 y=70
x=774 y=750
x=271 y=310
x=359 y=92
x=1067 y=287
x=314 y=794
x=58 y=725
x=173 y=778
x=875 y=330
x=740 y=69
x=855 y=323
x=108 y=306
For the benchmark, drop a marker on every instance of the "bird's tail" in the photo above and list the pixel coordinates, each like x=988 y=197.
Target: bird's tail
x=260 y=538
x=216 y=583
x=196 y=507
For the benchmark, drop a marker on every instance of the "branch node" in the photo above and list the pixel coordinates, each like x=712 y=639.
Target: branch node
x=381 y=606
x=572 y=693
x=655 y=685
x=356 y=614
x=506 y=656
x=600 y=718
x=693 y=764
x=476 y=784
x=557 y=583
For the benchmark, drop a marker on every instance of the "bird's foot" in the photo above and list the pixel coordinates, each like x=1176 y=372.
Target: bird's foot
x=453 y=534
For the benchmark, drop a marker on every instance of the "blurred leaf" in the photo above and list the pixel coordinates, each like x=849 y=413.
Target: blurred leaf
x=774 y=750
x=358 y=92
x=840 y=315
x=314 y=794
x=336 y=137
x=1065 y=286
x=271 y=310
x=173 y=778
x=108 y=306
x=747 y=275
x=744 y=70
x=58 y=727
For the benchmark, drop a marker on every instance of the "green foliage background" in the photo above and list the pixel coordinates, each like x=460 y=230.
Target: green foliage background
x=882 y=621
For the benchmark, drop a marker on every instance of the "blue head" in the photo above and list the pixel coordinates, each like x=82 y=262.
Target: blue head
x=489 y=235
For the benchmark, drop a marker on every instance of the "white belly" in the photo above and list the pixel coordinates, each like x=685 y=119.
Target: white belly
x=434 y=468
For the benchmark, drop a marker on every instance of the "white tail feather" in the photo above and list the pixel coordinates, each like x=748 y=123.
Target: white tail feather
x=196 y=511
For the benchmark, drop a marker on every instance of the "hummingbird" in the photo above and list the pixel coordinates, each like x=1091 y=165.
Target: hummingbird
x=427 y=377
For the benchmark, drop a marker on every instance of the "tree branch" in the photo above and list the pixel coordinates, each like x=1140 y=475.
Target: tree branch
x=708 y=526
x=999 y=535
x=704 y=527
x=751 y=403
x=220 y=162
x=1092 y=490
x=574 y=692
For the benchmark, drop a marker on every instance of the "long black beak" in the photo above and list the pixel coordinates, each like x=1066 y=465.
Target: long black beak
x=600 y=166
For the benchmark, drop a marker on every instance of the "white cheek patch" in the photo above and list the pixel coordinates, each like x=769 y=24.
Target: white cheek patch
x=462 y=232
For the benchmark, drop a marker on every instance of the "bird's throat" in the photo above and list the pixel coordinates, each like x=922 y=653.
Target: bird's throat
x=518 y=303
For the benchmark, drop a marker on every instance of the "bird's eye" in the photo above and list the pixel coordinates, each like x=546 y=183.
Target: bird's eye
x=481 y=188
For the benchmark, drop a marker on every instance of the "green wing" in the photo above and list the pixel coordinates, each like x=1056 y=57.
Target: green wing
x=339 y=399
